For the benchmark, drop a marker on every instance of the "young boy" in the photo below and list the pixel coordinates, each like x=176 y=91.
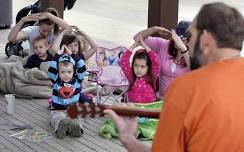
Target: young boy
x=66 y=72
x=41 y=53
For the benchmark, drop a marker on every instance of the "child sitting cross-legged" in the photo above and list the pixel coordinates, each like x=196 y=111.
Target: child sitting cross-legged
x=141 y=68
x=42 y=54
x=66 y=71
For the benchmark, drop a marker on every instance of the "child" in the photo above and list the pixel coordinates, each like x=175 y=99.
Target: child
x=66 y=71
x=42 y=54
x=142 y=73
x=76 y=41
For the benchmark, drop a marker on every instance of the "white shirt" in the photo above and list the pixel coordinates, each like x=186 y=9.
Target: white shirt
x=33 y=31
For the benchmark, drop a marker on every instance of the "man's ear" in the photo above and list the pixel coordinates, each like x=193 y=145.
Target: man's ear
x=207 y=42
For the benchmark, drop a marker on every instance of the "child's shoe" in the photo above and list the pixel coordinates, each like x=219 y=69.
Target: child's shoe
x=63 y=127
x=75 y=129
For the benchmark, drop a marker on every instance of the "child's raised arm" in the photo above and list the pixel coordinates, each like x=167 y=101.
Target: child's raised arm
x=143 y=44
x=134 y=45
x=53 y=69
x=87 y=54
x=80 y=67
x=57 y=42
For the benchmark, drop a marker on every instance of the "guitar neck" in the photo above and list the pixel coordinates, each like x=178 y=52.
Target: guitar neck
x=91 y=109
x=130 y=111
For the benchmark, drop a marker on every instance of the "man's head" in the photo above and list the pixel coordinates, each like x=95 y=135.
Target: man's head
x=217 y=25
x=40 y=46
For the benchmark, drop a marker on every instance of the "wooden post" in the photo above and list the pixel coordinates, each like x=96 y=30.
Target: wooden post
x=58 y=4
x=163 y=13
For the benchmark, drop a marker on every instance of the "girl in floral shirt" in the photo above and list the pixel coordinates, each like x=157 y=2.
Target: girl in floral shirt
x=141 y=68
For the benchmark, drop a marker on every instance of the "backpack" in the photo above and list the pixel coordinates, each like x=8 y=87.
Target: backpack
x=12 y=48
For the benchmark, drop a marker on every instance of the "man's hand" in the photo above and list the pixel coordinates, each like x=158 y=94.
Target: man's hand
x=127 y=126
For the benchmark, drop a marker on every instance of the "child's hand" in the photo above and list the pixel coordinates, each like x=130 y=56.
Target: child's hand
x=179 y=45
x=143 y=44
x=61 y=50
x=67 y=50
x=134 y=45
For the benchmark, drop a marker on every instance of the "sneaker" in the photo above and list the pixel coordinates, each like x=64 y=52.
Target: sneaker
x=63 y=127
x=75 y=129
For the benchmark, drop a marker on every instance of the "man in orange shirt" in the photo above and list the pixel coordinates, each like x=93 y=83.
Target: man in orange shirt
x=203 y=110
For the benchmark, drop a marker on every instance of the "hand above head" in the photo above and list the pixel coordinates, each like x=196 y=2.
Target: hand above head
x=43 y=15
x=143 y=44
x=161 y=30
x=178 y=42
x=134 y=45
x=31 y=17
x=74 y=28
x=65 y=50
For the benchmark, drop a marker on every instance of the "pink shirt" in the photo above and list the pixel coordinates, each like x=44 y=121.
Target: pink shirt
x=167 y=75
x=141 y=91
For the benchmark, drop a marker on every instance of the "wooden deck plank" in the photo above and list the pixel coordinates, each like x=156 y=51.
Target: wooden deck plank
x=85 y=143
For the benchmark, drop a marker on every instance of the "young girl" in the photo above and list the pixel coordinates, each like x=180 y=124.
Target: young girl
x=76 y=41
x=173 y=54
x=142 y=72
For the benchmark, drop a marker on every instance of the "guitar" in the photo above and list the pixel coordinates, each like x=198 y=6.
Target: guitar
x=91 y=109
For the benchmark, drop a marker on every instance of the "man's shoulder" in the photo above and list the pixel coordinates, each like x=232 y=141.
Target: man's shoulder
x=212 y=73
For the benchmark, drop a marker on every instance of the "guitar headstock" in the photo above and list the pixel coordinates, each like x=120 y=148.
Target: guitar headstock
x=84 y=109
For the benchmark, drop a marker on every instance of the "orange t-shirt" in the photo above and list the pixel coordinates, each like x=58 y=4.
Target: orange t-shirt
x=204 y=111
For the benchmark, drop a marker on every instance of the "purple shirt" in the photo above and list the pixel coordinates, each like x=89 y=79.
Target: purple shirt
x=167 y=75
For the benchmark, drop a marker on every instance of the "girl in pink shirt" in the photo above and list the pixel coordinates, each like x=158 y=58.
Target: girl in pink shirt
x=172 y=53
x=141 y=68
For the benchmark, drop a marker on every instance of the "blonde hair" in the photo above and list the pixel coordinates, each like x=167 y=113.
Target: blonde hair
x=39 y=38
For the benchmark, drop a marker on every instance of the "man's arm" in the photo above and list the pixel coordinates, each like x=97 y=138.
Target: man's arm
x=62 y=23
x=134 y=145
